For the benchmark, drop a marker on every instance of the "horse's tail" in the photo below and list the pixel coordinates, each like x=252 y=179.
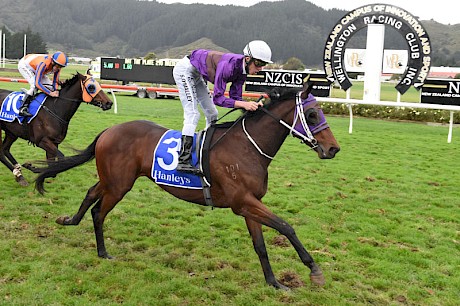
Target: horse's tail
x=66 y=163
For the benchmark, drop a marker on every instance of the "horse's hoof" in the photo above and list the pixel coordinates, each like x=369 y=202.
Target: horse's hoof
x=63 y=220
x=27 y=165
x=22 y=181
x=282 y=287
x=318 y=279
x=106 y=256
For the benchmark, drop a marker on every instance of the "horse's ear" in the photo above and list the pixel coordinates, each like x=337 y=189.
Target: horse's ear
x=307 y=87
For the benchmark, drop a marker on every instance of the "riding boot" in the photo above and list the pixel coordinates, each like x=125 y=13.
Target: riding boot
x=185 y=158
x=24 y=110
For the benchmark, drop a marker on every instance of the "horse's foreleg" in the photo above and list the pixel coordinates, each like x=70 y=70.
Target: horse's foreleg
x=51 y=150
x=255 y=229
x=91 y=197
x=59 y=154
x=258 y=212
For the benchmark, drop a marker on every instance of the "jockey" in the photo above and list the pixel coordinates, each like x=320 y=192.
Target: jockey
x=191 y=75
x=34 y=68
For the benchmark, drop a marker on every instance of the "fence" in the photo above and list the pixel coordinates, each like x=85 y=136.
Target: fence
x=348 y=101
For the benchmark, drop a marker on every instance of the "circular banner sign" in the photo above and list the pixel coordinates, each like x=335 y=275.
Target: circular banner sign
x=418 y=43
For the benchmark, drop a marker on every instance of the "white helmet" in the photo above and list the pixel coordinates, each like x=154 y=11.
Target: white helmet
x=258 y=49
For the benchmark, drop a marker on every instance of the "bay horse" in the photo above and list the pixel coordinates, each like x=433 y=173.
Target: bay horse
x=238 y=160
x=49 y=127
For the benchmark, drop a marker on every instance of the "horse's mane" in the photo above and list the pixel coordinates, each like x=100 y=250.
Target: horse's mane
x=276 y=95
x=71 y=81
x=280 y=94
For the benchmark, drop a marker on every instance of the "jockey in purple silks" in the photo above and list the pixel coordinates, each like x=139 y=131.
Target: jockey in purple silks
x=192 y=74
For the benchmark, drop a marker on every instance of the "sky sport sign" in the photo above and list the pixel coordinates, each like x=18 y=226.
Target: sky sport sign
x=264 y=80
x=445 y=92
x=418 y=42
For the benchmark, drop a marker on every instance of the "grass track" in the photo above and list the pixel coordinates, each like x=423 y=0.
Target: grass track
x=381 y=219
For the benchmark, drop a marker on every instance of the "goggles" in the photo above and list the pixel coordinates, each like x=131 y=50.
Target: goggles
x=259 y=63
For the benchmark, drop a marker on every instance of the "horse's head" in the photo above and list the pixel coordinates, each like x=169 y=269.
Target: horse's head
x=309 y=123
x=92 y=92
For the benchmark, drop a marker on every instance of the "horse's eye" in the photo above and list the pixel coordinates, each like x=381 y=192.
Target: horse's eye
x=312 y=117
x=91 y=88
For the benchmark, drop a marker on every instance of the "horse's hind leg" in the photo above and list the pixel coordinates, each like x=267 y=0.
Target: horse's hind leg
x=9 y=161
x=92 y=196
x=99 y=212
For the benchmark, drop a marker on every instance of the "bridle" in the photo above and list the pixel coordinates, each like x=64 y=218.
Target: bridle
x=299 y=127
x=89 y=87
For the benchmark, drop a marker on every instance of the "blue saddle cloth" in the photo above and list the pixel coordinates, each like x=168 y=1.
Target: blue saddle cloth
x=166 y=158
x=13 y=102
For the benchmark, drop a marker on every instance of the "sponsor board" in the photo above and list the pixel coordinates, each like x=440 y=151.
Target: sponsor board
x=441 y=91
x=416 y=37
x=268 y=79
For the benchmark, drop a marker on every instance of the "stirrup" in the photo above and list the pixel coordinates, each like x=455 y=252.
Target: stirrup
x=24 y=112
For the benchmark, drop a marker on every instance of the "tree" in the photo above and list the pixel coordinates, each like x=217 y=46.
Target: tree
x=294 y=63
x=35 y=43
x=14 y=43
x=150 y=56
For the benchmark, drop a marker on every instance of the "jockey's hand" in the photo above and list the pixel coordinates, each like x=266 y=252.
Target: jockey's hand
x=54 y=94
x=249 y=105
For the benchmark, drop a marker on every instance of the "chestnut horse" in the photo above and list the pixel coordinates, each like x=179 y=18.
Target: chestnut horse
x=49 y=127
x=238 y=159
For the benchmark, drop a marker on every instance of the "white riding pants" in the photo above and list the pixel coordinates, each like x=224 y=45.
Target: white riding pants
x=29 y=74
x=193 y=91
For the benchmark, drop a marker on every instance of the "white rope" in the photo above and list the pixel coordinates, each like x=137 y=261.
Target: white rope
x=253 y=142
x=298 y=114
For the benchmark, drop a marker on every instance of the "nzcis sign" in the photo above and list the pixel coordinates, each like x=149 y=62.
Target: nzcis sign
x=266 y=79
x=418 y=43
x=437 y=91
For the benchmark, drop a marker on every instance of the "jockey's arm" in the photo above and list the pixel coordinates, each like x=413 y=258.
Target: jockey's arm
x=39 y=73
x=56 y=79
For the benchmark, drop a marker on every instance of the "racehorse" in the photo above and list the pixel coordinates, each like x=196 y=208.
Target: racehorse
x=238 y=159
x=49 y=127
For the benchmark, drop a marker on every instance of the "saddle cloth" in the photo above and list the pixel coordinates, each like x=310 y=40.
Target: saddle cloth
x=12 y=103
x=166 y=158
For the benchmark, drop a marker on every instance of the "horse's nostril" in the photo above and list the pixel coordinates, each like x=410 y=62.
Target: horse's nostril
x=334 y=150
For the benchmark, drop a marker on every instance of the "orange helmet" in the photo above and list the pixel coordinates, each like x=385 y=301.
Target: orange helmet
x=60 y=58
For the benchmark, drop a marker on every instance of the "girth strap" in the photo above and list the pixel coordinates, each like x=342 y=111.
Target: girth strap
x=203 y=140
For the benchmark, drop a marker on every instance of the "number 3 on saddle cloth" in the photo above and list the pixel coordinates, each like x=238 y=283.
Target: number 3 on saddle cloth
x=166 y=158
x=13 y=102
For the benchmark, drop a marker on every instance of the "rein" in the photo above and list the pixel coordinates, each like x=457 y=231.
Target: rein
x=234 y=123
x=91 y=92
x=71 y=100
x=54 y=115
x=298 y=114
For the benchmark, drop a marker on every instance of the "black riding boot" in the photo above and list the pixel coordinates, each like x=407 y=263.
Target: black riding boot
x=185 y=158
x=24 y=110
